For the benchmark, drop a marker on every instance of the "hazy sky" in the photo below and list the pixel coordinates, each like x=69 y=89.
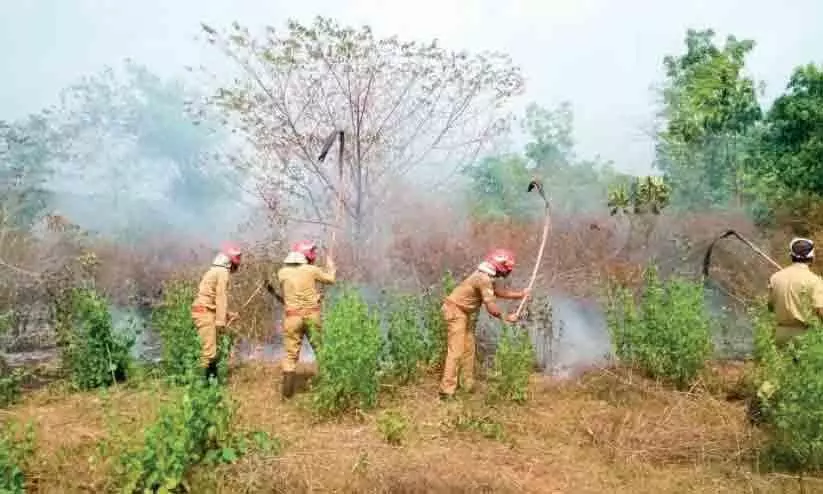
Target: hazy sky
x=601 y=55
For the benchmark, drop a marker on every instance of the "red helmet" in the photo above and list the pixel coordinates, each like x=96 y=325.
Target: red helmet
x=307 y=248
x=502 y=260
x=233 y=252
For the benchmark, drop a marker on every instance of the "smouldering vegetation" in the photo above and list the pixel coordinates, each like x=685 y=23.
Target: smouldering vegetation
x=111 y=410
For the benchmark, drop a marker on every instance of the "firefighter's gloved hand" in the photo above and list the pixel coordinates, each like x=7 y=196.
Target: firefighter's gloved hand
x=270 y=287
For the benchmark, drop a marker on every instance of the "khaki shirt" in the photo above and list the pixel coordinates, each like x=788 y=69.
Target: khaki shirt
x=213 y=293
x=785 y=291
x=474 y=291
x=299 y=284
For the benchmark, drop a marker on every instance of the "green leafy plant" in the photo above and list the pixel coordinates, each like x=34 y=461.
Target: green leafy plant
x=92 y=352
x=790 y=394
x=194 y=429
x=665 y=331
x=9 y=384
x=16 y=446
x=405 y=347
x=349 y=358
x=760 y=378
x=181 y=343
x=482 y=423
x=225 y=345
x=392 y=426
x=513 y=364
x=435 y=325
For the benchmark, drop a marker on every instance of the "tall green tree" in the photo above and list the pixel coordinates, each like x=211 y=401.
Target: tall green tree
x=27 y=150
x=139 y=153
x=710 y=110
x=575 y=184
x=498 y=183
x=497 y=187
x=794 y=139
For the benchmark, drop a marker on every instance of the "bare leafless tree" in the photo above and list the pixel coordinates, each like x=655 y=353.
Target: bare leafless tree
x=402 y=104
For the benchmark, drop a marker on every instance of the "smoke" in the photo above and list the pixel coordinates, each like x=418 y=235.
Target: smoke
x=582 y=337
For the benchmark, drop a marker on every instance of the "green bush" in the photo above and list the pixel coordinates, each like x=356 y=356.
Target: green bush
x=513 y=364
x=392 y=426
x=665 y=331
x=790 y=393
x=9 y=385
x=436 y=337
x=349 y=358
x=482 y=423
x=16 y=447
x=405 y=347
x=173 y=322
x=225 y=344
x=195 y=429
x=9 y=379
x=92 y=353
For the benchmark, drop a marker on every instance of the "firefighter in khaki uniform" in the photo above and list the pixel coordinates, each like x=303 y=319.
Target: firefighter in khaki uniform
x=786 y=288
x=210 y=307
x=298 y=282
x=460 y=310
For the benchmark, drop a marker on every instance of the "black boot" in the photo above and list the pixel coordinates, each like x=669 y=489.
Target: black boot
x=288 y=385
x=211 y=370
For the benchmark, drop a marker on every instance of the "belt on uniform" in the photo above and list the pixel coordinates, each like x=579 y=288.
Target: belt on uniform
x=459 y=306
x=201 y=309
x=302 y=312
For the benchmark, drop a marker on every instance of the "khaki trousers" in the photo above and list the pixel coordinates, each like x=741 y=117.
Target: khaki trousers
x=295 y=325
x=204 y=322
x=460 y=355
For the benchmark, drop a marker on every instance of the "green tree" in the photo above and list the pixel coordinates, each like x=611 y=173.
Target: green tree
x=27 y=150
x=497 y=187
x=794 y=139
x=404 y=105
x=710 y=110
x=570 y=181
x=129 y=127
x=498 y=183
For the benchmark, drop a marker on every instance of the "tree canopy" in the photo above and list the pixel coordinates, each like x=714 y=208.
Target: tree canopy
x=709 y=112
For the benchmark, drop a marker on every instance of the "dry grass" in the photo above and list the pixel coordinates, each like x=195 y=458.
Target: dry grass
x=608 y=431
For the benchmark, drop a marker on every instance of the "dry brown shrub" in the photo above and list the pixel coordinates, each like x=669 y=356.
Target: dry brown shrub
x=670 y=427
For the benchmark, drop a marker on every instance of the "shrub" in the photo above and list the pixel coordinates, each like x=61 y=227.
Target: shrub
x=173 y=322
x=392 y=426
x=92 y=353
x=225 y=344
x=665 y=331
x=481 y=423
x=348 y=359
x=9 y=384
x=436 y=337
x=185 y=433
x=791 y=394
x=15 y=448
x=9 y=379
x=405 y=347
x=513 y=364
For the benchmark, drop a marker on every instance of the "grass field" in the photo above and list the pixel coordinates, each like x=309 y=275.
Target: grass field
x=607 y=431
